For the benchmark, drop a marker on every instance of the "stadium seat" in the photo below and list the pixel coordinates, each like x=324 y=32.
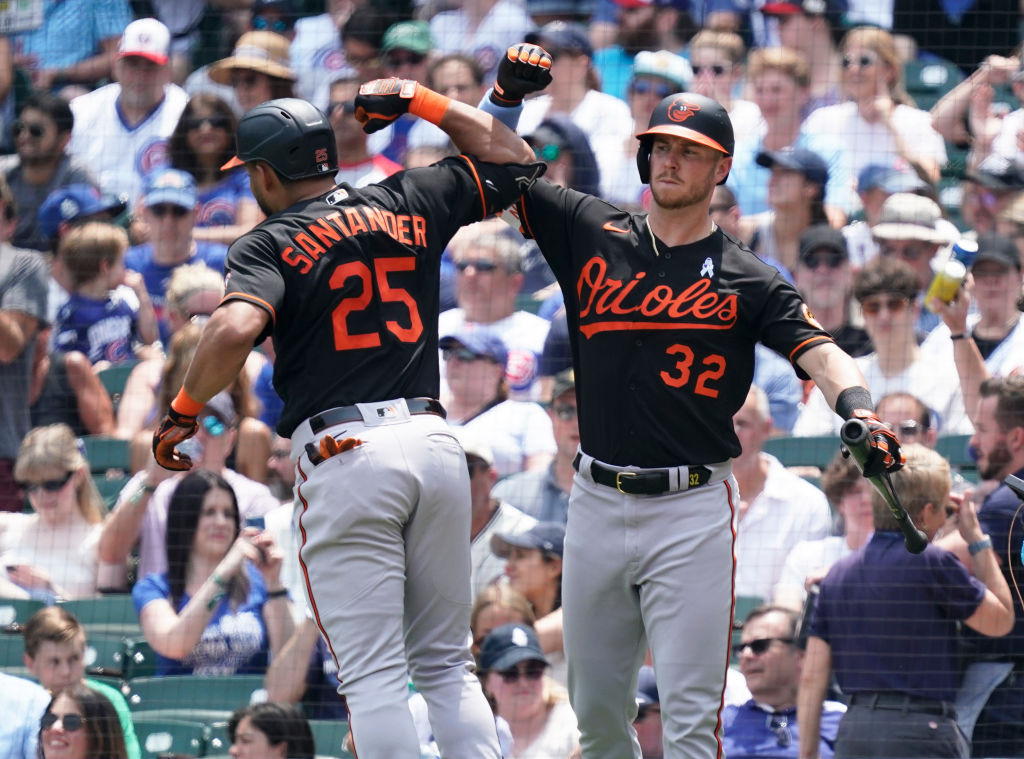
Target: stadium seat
x=163 y=735
x=328 y=735
x=741 y=608
x=139 y=659
x=110 y=464
x=219 y=693
x=928 y=80
x=12 y=649
x=114 y=378
x=104 y=653
x=112 y=611
x=814 y=451
x=18 y=610
x=956 y=449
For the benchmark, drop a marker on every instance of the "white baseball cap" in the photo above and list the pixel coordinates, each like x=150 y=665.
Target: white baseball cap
x=146 y=38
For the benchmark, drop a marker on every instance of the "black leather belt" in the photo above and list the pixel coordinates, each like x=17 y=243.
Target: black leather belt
x=346 y=414
x=903 y=702
x=651 y=482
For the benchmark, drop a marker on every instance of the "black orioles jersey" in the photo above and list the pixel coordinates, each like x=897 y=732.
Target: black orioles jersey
x=662 y=337
x=350 y=280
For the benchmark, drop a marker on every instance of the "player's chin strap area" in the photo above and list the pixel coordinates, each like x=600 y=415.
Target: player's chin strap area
x=635 y=481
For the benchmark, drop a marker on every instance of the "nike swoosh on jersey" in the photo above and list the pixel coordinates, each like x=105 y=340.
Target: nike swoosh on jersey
x=609 y=227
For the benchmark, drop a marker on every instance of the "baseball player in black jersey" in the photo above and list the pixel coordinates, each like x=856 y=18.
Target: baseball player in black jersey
x=664 y=310
x=346 y=282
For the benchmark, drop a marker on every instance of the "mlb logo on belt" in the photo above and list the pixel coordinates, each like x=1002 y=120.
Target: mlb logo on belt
x=385 y=412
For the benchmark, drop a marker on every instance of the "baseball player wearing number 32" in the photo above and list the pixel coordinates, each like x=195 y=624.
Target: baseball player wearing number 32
x=664 y=311
x=346 y=282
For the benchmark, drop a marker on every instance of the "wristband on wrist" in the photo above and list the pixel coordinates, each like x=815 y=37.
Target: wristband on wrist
x=279 y=593
x=852 y=399
x=960 y=336
x=143 y=490
x=428 y=105
x=979 y=545
x=185 y=404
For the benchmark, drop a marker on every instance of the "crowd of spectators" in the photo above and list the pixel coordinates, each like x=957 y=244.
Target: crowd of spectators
x=870 y=137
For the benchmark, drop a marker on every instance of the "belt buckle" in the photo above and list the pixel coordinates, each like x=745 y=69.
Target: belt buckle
x=618 y=480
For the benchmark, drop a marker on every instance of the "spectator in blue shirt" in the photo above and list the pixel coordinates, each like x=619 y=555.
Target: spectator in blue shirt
x=766 y=726
x=22 y=703
x=886 y=622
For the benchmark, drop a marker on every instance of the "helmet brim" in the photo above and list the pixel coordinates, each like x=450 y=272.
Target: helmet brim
x=672 y=130
x=235 y=161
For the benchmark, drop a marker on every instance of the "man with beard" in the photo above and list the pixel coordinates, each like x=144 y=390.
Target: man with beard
x=41 y=134
x=998 y=441
x=664 y=311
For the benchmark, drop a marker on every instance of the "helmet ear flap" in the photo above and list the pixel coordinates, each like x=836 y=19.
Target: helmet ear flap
x=643 y=160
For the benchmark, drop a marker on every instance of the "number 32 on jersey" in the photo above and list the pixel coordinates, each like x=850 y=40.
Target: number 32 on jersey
x=712 y=368
x=344 y=339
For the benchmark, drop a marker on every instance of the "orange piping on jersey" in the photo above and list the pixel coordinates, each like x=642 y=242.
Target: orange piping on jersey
x=251 y=299
x=479 y=186
x=522 y=216
x=732 y=611
x=305 y=571
x=589 y=330
x=808 y=341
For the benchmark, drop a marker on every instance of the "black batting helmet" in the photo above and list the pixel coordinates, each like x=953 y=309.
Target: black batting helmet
x=690 y=116
x=291 y=135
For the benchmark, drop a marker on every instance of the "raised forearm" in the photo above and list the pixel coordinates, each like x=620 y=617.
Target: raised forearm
x=482 y=135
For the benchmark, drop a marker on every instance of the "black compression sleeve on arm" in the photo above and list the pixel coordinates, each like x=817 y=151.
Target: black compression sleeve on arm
x=851 y=399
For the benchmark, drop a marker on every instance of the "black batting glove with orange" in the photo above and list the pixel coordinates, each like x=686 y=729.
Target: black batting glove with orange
x=524 y=69
x=175 y=429
x=382 y=101
x=886 y=454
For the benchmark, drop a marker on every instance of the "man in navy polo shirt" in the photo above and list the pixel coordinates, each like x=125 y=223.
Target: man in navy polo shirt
x=886 y=621
x=765 y=727
x=999 y=442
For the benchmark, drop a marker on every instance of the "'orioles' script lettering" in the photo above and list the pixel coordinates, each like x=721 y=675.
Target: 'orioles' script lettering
x=321 y=235
x=609 y=305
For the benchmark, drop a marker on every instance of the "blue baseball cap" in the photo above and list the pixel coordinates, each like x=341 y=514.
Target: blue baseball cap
x=548 y=537
x=646 y=687
x=507 y=645
x=170 y=186
x=480 y=343
x=807 y=162
x=74 y=202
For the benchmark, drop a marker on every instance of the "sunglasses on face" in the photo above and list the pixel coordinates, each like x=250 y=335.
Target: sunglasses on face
x=478 y=264
x=531 y=672
x=715 y=69
x=565 y=412
x=894 y=303
x=547 y=153
x=779 y=724
x=758 y=646
x=262 y=23
x=863 y=61
x=831 y=260
x=405 y=59
x=50 y=486
x=160 y=210
x=213 y=426
x=462 y=354
x=71 y=722
x=217 y=122
x=911 y=252
x=34 y=129
x=646 y=88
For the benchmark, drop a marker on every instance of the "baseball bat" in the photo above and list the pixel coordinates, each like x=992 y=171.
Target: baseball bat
x=855 y=436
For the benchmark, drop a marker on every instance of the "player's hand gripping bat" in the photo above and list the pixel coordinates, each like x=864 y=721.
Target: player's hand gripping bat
x=863 y=445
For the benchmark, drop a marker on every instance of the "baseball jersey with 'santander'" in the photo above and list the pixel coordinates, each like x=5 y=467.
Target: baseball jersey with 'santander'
x=662 y=337
x=350 y=280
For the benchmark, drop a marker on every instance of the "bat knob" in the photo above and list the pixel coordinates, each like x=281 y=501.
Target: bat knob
x=915 y=541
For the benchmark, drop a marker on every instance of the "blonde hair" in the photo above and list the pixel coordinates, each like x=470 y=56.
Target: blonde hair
x=924 y=479
x=502 y=595
x=729 y=43
x=188 y=280
x=785 y=60
x=882 y=44
x=55 y=445
x=85 y=249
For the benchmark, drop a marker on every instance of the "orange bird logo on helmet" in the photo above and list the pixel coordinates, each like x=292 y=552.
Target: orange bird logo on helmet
x=680 y=110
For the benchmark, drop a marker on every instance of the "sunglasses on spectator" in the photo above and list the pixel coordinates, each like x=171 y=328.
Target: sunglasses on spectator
x=716 y=69
x=406 y=58
x=163 y=209
x=758 y=646
x=566 y=412
x=262 y=23
x=213 y=426
x=547 y=153
x=863 y=61
x=906 y=251
x=832 y=260
x=345 y=106
x=534 y=672
x=779 y=724
x=478 y=264
x=34 y=129
x=462 y=354
x=71 y=722
x=909 y=428
x=217 y=122
x=50 y=486
x=894 y=303
x=646 y=88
